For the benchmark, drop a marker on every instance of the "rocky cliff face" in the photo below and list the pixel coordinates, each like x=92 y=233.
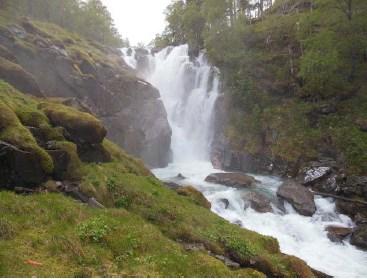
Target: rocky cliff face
x=58 y=64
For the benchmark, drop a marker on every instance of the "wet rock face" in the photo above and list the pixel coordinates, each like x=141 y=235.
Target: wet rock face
x=19 y=78
x=359 y=237
x=353 y=186
x=298 y=196
x=20 y=167
x=237 y=180
x=130 y=108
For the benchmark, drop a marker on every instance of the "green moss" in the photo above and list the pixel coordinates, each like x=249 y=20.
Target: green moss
x=81 y=126
x=74 y=169
x=13 y=132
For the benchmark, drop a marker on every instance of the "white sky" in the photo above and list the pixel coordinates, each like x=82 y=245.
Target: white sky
x=138 y=20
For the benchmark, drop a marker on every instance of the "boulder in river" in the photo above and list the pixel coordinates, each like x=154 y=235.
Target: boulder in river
x=298 y=196
x=359 y=237
x=259 y=202
x=337 y=234
x=237 y=180
x=316 y=173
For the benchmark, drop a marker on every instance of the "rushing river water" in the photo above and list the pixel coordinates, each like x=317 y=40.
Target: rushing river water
x=189 y=90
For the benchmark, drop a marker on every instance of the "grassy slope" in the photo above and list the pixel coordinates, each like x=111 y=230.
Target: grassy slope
x=139 y=234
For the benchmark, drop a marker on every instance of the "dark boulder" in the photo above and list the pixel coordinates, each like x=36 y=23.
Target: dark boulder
x=94 y=153
x=237 y=180
x=83 y=128
x=298 y=196
x=337 y=234
x=359 y=237
x=259 y=202
x=19 y=167
x=61 y=160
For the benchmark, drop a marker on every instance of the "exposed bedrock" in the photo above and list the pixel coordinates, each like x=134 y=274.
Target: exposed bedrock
x=98 y=79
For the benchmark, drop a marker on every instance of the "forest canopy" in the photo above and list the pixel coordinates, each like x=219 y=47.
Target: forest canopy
x=90 y=19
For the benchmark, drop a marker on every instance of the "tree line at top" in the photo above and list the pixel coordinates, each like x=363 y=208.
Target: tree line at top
x=90 y=19
x=191 y=20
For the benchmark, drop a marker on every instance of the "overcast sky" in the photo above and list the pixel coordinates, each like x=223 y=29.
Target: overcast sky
x=138 y=20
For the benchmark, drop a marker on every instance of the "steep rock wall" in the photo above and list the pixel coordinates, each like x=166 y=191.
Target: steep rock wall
x=66 y=66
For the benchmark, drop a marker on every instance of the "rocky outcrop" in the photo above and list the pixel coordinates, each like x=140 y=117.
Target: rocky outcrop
x=298 y=196
x=20 y=167
x=45 y=140
x=98 y=78
x=258 y=202
x=359 y=237
x=237 y=180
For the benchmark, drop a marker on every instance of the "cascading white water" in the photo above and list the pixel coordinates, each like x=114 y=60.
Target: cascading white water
x=189 y=90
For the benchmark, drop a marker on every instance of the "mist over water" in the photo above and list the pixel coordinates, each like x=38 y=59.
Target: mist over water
x=189 y=90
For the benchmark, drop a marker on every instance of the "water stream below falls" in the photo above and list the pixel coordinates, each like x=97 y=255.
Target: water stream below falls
x=189 y=90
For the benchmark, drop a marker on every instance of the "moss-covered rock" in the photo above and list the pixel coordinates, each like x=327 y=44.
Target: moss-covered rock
x=81 y=127
x=23 y=161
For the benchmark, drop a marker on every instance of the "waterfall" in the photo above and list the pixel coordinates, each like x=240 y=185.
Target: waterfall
x=189 y=89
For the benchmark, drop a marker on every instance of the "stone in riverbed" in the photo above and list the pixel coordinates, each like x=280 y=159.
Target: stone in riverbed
x=259 y=202
x=337 y=234
x=316 y=173
x=237 y=180
x=298 y=196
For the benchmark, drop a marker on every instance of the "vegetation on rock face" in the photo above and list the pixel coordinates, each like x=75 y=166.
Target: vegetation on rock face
x=295 y=74
x=82 y=127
